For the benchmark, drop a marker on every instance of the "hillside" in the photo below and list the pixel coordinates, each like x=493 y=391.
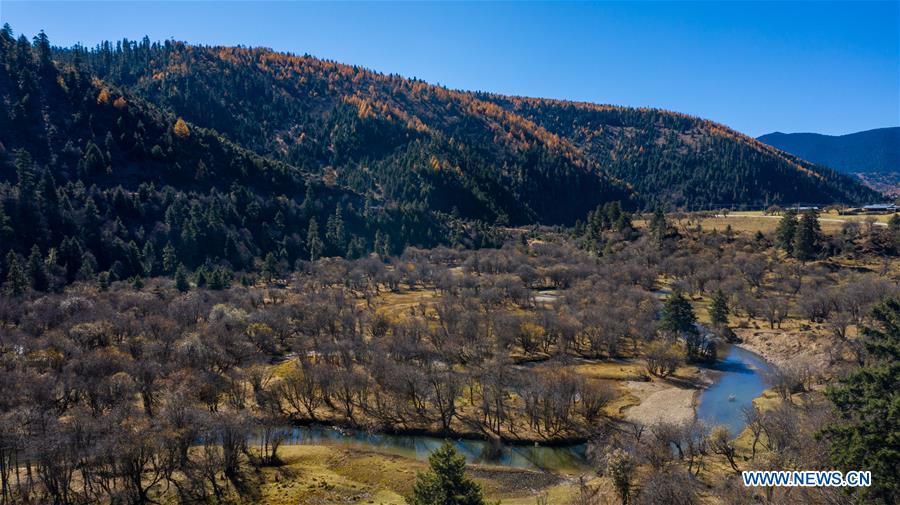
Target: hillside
x=873 y=155
x=93 y=178
x=497 y=158
x=398 y=139
x=681 y=160
x=137 y=159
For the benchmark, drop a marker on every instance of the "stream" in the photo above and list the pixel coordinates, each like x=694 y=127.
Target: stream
x=740 y=379
x=739 y=374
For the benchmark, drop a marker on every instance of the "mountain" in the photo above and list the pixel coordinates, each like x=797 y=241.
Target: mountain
x=870 y=151
x=501 y=159
x=135 y=159
x=873 y=155
x=94 y=178
x=682 y=160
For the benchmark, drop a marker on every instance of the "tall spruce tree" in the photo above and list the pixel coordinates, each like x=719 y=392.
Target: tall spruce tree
x=718 y=309
x=16 y=281
x=445 y=483
x=314 y=244
x=784 y=233
x=181 y=280
x=866 y=433
x=807 y=236
x=37 y=270
x=678 y=315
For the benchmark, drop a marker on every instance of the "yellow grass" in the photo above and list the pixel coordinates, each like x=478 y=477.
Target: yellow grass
x=315 y=474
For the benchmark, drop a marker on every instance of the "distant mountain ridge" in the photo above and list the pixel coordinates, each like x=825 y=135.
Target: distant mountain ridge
x=871 y=155
x=870 y=151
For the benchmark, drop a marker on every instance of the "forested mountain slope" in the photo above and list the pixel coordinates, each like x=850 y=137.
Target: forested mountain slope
x=493 y=157
x=681 y=160
x=400 y=139
x=93 y=178
x=137 y=158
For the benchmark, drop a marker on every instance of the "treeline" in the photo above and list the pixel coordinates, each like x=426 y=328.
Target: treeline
x=96 y=181
x=494 y=158
x=678 y=161
x=412 y=143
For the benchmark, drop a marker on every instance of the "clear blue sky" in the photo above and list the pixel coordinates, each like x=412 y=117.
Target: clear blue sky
x=827 y=67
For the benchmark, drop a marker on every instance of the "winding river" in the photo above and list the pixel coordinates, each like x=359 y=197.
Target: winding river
x=739 y=379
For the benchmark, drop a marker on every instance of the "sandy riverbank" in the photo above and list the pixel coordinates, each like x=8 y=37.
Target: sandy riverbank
x=661 y=402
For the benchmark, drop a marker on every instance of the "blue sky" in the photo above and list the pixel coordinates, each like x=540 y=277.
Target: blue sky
x=828 y=67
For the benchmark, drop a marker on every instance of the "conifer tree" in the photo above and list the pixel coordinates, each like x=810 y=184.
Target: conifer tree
x=37 y=270
x=787 y=228
x=335 y=234
x=445 y=482
x=270 y=267
x=16 y=281
x=718 y=309
x=658 y=225
x=169 y=258
x=864 y=434
x=807 y=236
x=313 y=241
x=678 y=315
x=181 y=280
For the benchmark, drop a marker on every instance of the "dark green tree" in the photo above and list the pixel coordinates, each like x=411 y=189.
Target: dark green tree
x=181 y=280
x=807 y=236
x=270 y=267
x=169 y=258
x=37 y=270
x=678 y=315
x=5 y=228
x=314 y=244
x=784 y=233
x=659 y=227
x=16 y=281
x=866 y=434
x=445 y=483
x=335 y=234
x=718 y=309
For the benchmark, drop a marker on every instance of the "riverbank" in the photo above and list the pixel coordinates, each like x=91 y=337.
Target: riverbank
x=318 y=474
x=660 y=402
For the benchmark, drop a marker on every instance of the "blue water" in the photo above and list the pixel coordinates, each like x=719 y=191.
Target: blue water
x=420 y=447
x=741 y=375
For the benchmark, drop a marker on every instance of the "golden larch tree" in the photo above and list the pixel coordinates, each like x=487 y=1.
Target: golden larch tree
x=181 y=129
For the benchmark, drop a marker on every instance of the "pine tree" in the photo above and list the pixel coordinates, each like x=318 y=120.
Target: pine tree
x=5 y=228
x=37 y=270
x=787 y=228
x=169 y=258
x=445 y=483
x=16 y=281
x=313 y=242
x=718 y=309
x=270 y=267
x=807 y=236
x=865 y=432
x=379 y=242
x=335 y=234
x=88 y=266
x=658 y=225
x=148 y=259
x=25 y=176
x=678 y=315
x=181 y=280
